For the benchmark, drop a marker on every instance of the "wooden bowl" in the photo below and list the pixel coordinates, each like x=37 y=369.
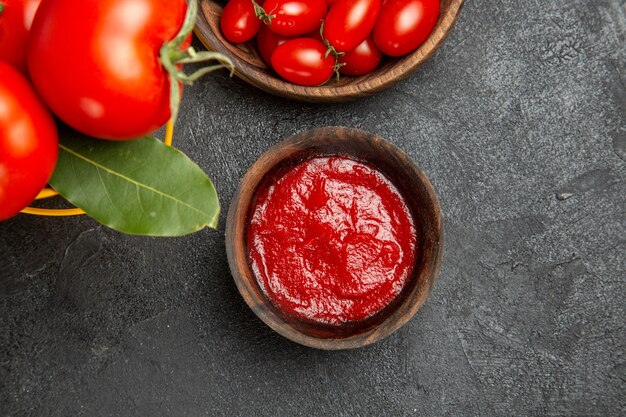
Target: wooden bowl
x=251 y=68
x=419 y=196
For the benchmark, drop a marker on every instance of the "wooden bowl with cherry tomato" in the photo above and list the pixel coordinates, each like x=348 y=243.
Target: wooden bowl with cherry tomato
x=241 y=31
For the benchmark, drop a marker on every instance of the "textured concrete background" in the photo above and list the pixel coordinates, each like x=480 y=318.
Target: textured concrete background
x=518 y=120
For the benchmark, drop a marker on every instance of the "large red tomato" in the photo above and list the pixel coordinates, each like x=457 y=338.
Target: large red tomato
x=96 y=63
x=403 y=25
x=294 y=17
x=28 y=143
x=303 y=61
x=349 y=22
x=239 y=22
x=16 y=18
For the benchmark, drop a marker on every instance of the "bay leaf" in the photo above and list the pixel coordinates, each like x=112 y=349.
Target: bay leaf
x=140 y=187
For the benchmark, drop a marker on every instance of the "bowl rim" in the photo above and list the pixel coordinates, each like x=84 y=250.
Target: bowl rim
x=368 y=85
x=236 y=248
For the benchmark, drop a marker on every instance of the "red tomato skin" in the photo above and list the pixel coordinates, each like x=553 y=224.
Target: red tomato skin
x=15 y=23
x=295 y=17
x=349 y=22
x=301 y=61
x=96 y=63
x=316 y=34
x=404 y=25
x=361 y=60
x=267 y=42
x=29 y=143
x=238 y=21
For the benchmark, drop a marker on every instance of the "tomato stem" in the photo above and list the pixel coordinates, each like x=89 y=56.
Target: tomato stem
x=331 y=50
x=336 y=68
x=1 y=7
x=262 y=14
x=172 y=57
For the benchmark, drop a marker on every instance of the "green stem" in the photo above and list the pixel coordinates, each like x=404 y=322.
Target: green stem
x=172 y=57
x=331 y=50
x=262 y=14
x=1 y=7
x=188 y=24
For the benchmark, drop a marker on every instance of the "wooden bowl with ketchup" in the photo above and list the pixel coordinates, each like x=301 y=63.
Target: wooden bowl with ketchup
x=250 y=67
x=335 y=323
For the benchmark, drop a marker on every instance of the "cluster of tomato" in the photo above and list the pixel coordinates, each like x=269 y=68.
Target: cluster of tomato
x=306 y=41
x=97 y=65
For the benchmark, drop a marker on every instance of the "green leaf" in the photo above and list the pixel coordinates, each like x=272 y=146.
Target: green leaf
x=140 y=187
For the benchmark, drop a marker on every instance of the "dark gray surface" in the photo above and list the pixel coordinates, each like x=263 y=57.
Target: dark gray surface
x=518 y=120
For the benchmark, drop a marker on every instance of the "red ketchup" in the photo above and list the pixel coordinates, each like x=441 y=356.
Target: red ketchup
x=330 y=240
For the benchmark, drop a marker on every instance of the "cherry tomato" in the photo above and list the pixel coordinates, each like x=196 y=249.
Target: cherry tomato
x=361 y=60
x=267 y=42
x=15 y=21
x=96 y=63
x=403 y=25
x=349 y=22
x=28 y=143
x=239 y=22
x=301 y=61
x=294 y=17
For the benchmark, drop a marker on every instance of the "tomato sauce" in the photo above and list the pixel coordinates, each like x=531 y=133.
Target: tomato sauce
x=330 y=240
